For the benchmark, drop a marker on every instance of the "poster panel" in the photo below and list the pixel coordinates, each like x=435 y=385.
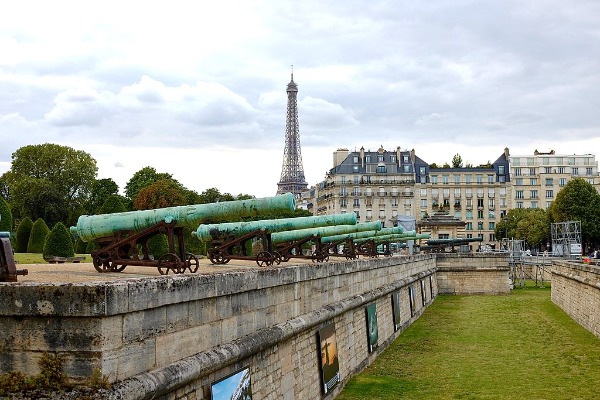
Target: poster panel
x=233 y=387
x=330 y=367
x=372 y=330
x=396 y=310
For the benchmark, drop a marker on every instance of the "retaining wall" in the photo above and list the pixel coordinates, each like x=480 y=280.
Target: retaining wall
x=576 y=289
x=477 y=273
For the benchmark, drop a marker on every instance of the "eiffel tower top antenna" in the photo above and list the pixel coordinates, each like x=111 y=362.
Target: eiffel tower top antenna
x=292 y=172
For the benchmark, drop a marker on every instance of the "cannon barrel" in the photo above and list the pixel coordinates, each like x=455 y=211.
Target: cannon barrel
x=5 y=235
x=367 y=234
x=437 y=242
x=298 y=234
x=401 y=237
x=91 y=227
x=206 y=232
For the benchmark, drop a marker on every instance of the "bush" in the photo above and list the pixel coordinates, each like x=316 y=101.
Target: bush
x=112 y=204
x=58 y=242
x=23 y=233
x=80 y=246
x=5 y=216
x=158 y=245
x=39 y=231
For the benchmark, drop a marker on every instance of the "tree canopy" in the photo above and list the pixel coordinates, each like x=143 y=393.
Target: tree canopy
x=49 y=181
x=529 y=224
x=101 y=189
x=143 y=178
x=457 y=161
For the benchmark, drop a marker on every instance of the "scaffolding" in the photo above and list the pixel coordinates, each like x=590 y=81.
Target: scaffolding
x=515 y=249
x=566 y=239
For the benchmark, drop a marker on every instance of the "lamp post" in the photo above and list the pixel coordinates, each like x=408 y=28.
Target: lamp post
x=479 y=228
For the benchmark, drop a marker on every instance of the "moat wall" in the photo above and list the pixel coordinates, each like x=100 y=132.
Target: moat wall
x=576 y=289
x=172 y=336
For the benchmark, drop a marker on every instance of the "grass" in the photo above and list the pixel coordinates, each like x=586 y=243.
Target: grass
x=37 y=258
x=518 y=346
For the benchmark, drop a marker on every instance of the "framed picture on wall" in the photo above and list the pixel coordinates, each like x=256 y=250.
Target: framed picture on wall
x=330 y=367
x=423 y=292
x=233 y=387
x=431 y=285
x=372 y=330
x=411 y=300
x=396 y=310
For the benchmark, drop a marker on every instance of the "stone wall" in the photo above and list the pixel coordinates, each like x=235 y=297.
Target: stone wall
x=172 y=336
x=576 y=289
x=477 y=273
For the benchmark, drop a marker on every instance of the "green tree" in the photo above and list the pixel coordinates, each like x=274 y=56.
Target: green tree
x=534 y=227
x=6 y=219
x=39 y=231
x=49 y=180
x=213 y=195
x=457 y=161
x=508 y=226
x=101 y=189
x=23 y=233
x=579 y=201
x=58 y=243
x=113 y=204
x=143 y=178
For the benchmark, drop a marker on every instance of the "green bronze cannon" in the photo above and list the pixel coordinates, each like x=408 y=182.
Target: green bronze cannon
x=288 y=244
x=232 y=240
x=331 y=244
x=119 y=234
x=440 y=245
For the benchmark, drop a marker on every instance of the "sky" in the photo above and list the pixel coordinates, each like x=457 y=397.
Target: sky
x=198 y=88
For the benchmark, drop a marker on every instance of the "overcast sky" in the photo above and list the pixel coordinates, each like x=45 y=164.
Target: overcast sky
x=198 y=88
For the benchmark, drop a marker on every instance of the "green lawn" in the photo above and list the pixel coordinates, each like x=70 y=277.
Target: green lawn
x=518 y=346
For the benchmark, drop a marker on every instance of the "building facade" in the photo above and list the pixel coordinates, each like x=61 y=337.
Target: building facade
x=383 y=184
x=539 y=177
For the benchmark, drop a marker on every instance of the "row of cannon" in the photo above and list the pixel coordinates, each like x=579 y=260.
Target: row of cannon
x=122 y=238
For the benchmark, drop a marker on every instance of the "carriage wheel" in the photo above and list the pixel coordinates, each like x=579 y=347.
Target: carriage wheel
x=168 y=262
x=101 y=262
x=264 y=259
x=191 y=261
x=278 y=258
x=116 y=267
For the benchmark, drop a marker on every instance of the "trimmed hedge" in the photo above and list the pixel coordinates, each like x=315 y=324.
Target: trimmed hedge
x=39 y=231
x=5 y=216
x=23 y=233
x=59 y=242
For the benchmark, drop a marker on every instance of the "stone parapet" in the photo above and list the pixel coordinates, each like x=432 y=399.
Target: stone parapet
x=479 y=273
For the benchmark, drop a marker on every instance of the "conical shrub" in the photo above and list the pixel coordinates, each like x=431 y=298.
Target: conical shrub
x=23 y=233
x=39 y=231
x=58 y=242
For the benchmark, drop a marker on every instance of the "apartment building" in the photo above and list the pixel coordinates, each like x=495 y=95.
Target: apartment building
x=539 y=177
x=382 y=184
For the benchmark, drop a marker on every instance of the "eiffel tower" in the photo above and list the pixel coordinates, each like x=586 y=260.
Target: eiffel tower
x=292 y=173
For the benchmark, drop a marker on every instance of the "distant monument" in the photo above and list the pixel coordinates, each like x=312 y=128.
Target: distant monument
x=292 y=173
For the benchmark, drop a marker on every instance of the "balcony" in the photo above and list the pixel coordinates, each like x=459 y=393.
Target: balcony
x=382 y=194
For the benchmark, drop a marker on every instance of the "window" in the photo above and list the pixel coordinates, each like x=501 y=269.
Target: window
x=519 y=204
x=468 y=178
x=545 y=161
x=457 y=214
x=423 y=203
x=575 y=171
x=423 y=192
x=355 y=192
x=517 y=171
x=422 y=170
x=549 y=182
x=435 y=193
x=561 y=170
x=356 y=202
x=469 y=193
x=519 y=181
x=394 y=202
x=479 y=213
x=342 y=202
x=502 y=191
x=480 y=192
x=534 y=204
x=433 y=178
x=492 y=237
x=406 y=168
x=457 y=193
x=530 y=161
x=469 y=236
x=469 y=226
x=589 y=171
x=534 y=194
x=457 y=179
x=423 y=213
x=549 y=194
x=446 y=193
x=491 y=192
x=479 y=203
x=479 y=178
x=355 y=168
x=381 y=169
x=343 y=191
x=469 y=203
x=502 y=202
x=491 y=214
x=519 y=194
x=367 y=159
x=548 y=204
x=500 y=169
x=469 y=214
x=533 y=181
x=404 y=159
x=531 y=171
x=392 y=158
x=547 y=170
x=355 y=159
x=492 y=226
x=562 y=182
x=490 y=203
x=445 y=179
x=380 y=158
x=356 y=179
x=490 y=178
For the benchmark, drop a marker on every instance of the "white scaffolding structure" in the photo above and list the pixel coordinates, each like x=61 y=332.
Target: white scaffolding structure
x=515 y=249
x=566 y=239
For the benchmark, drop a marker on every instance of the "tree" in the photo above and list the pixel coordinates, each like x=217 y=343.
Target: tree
x=534 y=227
x=579 y=201
x=39 y=231
x=101 y=189
x=6 y=219
x=58 y=243
x=23 y=233
x=160 y=194
x=507 y=227
x=457 y=161
x=213 y=195
x=143 y=178
x=113 y=204
x=50 y=180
